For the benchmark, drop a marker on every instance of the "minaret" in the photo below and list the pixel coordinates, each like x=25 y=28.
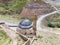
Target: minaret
x=34 y=23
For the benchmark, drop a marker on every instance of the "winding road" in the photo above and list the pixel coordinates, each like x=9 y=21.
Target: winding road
x=40 y=20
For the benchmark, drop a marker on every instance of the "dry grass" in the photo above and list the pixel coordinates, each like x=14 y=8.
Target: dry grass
x=47 y=39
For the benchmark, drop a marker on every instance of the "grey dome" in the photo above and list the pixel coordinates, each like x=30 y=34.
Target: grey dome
x=25 y=24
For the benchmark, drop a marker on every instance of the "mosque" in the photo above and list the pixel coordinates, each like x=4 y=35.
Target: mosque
x=32 y=10
x=26 y=27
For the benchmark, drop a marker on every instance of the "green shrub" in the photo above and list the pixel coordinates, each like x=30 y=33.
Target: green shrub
x=40 y=36
x=58 y=25
x=2 y=9
x=51 y=25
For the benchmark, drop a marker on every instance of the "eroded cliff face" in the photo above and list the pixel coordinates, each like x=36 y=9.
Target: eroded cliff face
x=36 y=7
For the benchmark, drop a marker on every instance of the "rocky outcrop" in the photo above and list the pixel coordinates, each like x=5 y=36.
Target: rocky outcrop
x=36 y=8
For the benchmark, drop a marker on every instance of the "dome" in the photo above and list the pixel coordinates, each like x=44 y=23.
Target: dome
x=25 y=24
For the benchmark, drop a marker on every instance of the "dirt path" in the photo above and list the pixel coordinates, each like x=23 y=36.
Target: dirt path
x=12 y=34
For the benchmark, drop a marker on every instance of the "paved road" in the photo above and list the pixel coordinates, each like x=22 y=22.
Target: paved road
x=11 y=24
x=8 y=23
x=39 y=22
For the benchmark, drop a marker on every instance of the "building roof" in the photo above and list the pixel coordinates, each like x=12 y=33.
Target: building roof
x=25 y=24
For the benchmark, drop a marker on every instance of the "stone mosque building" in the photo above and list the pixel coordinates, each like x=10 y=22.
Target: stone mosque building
x=32 y=10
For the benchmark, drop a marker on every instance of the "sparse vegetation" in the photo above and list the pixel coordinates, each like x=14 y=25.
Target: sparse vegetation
x=15 y=6
x=54 y=22
x=10 y=11
x=14 y=18
x=48 y=38
x=4 y=39
x=40 y=36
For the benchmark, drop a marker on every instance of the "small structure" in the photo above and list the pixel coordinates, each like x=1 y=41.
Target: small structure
x=26 y=27
x=25 y=24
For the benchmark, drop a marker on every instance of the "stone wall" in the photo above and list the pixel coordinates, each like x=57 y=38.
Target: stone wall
x=24 y=32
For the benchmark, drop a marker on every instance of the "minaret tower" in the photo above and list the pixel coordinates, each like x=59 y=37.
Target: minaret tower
x=33 y=10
